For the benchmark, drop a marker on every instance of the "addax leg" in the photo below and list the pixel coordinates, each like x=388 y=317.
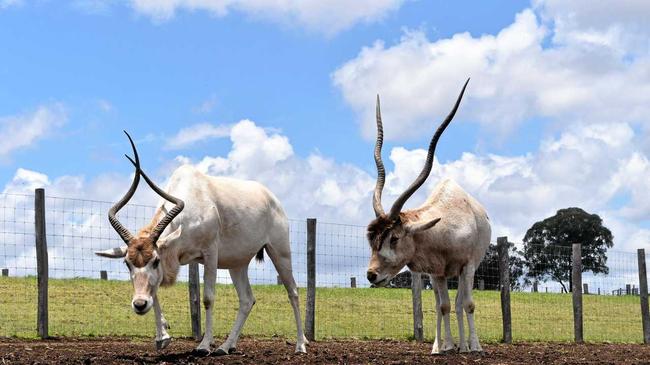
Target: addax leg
x=162 y=337
x=281 y=256
x=246 y=301
x=209 y=279
x=468 y=304
x=436 y=342
x=460 y=299
x=445 y=308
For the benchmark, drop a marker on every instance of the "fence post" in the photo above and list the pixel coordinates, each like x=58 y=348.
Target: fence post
x=416 y=293
x=576 y=289
x=310 y=313
x=628 y=289
x=194 y=285
x=504 y=280
x=353 y=282
x=5 y=272
x=481 y=284
x=103 y=275
x=41 y=262
x=643 y=296
x=535 y=286
x=585 y=288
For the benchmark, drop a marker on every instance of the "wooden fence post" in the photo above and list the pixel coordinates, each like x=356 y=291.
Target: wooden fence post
x=416 y=293
x=643 y=296
x=194 y=285
x=310 y=313
x=576 y=289
x=103 y=275
x=353 y=282
x=5 y=272
x=41 y=262
x=504 y=280
x=481 y=284
x=585 y=288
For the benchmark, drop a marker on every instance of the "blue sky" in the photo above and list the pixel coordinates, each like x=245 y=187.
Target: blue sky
x=155 y=76
x=555 y=114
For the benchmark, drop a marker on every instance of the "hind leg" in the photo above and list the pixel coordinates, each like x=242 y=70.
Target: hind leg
x=468 y=305
x=246 y=301
x=460 y=300
x=280 y=254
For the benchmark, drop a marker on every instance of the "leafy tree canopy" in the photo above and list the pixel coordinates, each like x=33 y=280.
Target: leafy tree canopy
x=547 y=245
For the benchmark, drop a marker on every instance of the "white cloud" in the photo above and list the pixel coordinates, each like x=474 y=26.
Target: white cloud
x=517 y=75
x=327 y=17
x=7 y=3
x=618 y=25
x=206 y=106
x=196 y=133
x=313 y=186
x=20 y=131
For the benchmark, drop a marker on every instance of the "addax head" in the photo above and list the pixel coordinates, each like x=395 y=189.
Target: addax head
x=140 y=252
x=391 y=235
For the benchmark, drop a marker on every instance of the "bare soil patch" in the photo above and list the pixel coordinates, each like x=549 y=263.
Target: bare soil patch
x=277 y=351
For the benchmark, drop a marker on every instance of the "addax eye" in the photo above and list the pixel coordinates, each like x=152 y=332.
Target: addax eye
x=393 y=241
x=156 y=261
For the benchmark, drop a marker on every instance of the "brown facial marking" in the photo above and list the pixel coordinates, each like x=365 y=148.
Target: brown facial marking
x=378 y=230
x=140 y=251
x=470 y=308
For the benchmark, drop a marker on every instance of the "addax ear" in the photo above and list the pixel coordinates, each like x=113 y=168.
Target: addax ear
x=113 y=253
x=170 y=237
x=419 y=227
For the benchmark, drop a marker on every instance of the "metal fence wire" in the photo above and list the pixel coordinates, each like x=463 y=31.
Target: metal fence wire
x=81 y=303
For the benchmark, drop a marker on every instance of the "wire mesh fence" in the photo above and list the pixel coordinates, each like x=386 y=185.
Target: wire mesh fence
x=80 y=304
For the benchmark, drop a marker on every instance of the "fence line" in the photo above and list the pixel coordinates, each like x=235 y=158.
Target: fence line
x=327 y=258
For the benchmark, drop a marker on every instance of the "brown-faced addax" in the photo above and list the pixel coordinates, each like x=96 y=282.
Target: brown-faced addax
x=445 y=237
x=221 y=223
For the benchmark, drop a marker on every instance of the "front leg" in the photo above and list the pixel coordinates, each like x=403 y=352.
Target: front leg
x=209 y=280
x=162 y=337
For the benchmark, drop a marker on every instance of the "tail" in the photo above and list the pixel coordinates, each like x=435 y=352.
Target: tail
x=259 y=257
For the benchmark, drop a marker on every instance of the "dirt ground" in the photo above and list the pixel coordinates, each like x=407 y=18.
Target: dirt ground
x=276 y=351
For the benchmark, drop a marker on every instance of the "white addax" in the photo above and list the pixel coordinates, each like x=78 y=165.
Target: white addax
x=445 y=237
x=218 y=222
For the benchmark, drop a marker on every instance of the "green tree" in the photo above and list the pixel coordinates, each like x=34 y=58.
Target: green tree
x=547 y=245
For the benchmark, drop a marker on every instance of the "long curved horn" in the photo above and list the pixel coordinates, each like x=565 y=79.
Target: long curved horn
x=399 y=203
x=178 y=205
x=381 y=172
x=121 y=230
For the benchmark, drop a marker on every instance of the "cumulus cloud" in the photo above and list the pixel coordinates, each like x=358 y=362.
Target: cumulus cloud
x=535 y=67
x=23 y=130
x=312 y=186
x=196 y=133
x=326 y=17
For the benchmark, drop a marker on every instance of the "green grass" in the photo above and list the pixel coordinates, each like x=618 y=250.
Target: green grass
x=85 y=307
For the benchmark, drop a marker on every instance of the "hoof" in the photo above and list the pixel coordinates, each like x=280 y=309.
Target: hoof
x=162 y=344
x=201 y=352
x=219 y=352
x=232 y=350
x=301 y=349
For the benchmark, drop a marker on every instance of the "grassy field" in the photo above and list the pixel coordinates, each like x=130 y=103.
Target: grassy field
x=85 y=307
